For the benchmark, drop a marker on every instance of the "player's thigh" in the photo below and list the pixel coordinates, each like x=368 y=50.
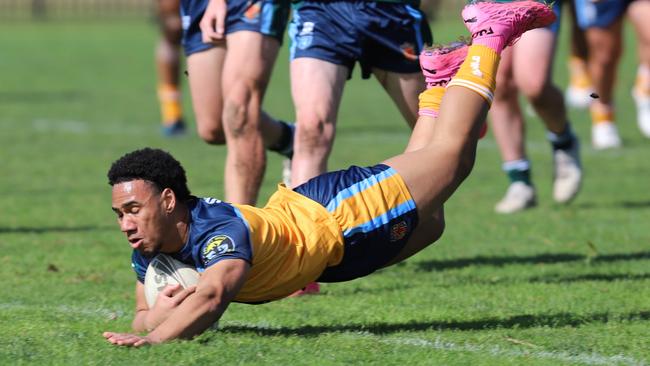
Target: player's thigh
x=316 y=88
x=205 y=70
x=605 y=44
x=506 y=86
x=639 y=13
x=533 y=60
x=427 y=232
x=249 y=61
x=404 y=89
x=170 y=20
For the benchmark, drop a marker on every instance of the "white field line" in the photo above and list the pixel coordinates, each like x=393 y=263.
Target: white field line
x=438 y=344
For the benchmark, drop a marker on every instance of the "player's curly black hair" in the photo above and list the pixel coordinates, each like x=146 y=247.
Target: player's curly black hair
x=153 y=165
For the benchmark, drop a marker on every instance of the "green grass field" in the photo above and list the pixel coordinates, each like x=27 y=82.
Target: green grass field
x=551 y=286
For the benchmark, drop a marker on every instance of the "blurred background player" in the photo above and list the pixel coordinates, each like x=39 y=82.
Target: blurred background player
x=168 y=57
x=580 y=88
x=231 y=49
x=327 y=39
x=603 y=24
x=527 y=68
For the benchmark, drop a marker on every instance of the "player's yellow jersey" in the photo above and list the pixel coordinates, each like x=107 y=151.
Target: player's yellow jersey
x=293 y=240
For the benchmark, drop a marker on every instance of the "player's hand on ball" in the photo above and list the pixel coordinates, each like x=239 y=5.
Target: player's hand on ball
x=168 y=299
x=126 y=339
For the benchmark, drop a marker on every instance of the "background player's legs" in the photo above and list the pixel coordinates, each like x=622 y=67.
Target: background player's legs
x=204 y=73
x=316 y=87
x=246 y=72
x=509 y=131
x=639 y=12
x=535 y=49
x=580 y=88
x=604 y=53
x=168 y=67
x=403 y=90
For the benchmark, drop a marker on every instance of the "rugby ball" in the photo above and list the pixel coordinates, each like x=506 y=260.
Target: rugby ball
x=165 y=270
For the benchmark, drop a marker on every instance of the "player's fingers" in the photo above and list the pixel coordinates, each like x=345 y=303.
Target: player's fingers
x=169 y=290
x=207 y=28
x=220 y=23
x=179 y=297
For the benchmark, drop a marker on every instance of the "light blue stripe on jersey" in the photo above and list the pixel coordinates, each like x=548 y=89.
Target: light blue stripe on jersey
x=267 y=18
x=293 y=33
x=418 y=27
x=358 y=187
x=239 y=214
x=381 y=220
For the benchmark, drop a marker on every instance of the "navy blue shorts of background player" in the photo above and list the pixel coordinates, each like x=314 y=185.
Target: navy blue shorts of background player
x=600 y=14
x=385 y=35
x=268 y=17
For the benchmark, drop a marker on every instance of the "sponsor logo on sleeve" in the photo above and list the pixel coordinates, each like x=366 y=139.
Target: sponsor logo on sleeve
x=216 y=246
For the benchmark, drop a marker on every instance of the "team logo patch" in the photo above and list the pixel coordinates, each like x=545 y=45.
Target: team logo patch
x=408 y=50
x=252 y=14
x=218 y=245
x=398 y=231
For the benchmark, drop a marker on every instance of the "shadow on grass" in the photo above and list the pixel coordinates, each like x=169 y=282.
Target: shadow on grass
x=52 y=229
x=515 y=322
x=623 y=204
x=592 y=277
x=439 y=265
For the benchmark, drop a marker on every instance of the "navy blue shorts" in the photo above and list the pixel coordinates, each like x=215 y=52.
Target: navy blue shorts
x=268 y=17
x=385 y=35
x=600 y=14
x=376 y=214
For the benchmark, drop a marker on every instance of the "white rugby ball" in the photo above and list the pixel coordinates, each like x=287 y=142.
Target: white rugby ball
x=165 y=270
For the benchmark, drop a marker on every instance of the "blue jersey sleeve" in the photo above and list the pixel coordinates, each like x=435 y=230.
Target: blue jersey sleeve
x=139 y=264
x=229 y=241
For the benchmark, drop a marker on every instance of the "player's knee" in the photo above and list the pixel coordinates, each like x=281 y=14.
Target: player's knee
x=314 y=131
x=172 y=29
x=535 y=88
x=236 y=117
x=210 y=132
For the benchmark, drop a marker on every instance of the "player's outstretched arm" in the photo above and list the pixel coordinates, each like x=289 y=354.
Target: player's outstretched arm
x=216 y=289
x=147 y=319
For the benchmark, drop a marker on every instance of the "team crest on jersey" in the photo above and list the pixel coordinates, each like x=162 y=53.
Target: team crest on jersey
x=217 y=245
x=306 y=35
x=398 y=231
x=252 y=14
x=408 y=50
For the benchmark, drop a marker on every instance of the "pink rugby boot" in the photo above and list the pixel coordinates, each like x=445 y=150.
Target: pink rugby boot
x=498 y=25
x=439 y=64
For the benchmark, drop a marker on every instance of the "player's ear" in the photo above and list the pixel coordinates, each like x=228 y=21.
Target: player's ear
x=169 y=200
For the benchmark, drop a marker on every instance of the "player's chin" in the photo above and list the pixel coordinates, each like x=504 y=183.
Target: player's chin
x=148 y=252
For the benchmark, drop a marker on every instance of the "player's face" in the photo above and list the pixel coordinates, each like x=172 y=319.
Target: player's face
x=140 y=214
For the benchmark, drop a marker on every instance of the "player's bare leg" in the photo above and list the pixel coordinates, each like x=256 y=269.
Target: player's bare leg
x=435 y=171
x=316 y=88
x=638 y=13
x=579 y=90
x=168 y=57
x=604 y=53
x=246 y=72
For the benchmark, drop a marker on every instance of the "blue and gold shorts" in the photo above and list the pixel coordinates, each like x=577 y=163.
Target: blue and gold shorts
x=376 y=214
